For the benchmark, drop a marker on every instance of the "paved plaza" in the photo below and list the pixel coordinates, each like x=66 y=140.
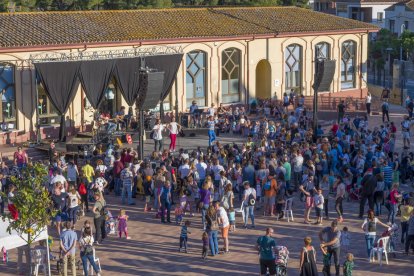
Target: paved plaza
x=153 y=249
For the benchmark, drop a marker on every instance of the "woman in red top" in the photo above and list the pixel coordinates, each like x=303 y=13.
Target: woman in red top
x=394 y=196
x=20 y=158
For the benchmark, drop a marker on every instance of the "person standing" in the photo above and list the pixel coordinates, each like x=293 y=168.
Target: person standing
x=368 y=100
x=394 y=196
x=157 y=135
x=87 y=250
x=405 y=130
x=410 y=107
x=340 y=194
x=52 y=152
x=385 y=107
x=194 y=114
x=99 y=217
x=223 y=221
x=211 y=130
x=174 y=129
x=68 y=248
x=249 y=199
x=117 y=169
x=127 y=177
x=341 y=111
x=212 y=229
x=410 y=233
x=370 y=228
x=265 y=246
x=308 y=259
x=330 y=238
x=164 y=200
x=288 y=171
x=368 y=186
x=406 y=211
x=20 y=158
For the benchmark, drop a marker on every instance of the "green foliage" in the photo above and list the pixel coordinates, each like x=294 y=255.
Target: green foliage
x=407 y=40
x=32 y=202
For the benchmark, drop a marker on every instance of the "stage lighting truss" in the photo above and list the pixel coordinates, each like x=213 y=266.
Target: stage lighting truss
x=107 y=54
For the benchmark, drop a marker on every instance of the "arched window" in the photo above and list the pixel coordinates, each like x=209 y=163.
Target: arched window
x=348 y=56
x=8 y=95
x=293 y=67
x=196 y=77
x=322 y=51
x=230 y=75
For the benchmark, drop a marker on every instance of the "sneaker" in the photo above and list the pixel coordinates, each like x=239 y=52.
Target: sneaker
x=245 y=227
x=128 y=238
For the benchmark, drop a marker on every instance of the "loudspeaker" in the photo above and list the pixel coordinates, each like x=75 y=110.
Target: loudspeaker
x=325 y=71
x=151 y=85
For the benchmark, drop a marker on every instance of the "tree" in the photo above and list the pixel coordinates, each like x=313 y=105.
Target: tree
x=33 y=204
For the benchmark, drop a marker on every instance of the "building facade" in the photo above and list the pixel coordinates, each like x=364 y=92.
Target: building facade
x=231 y=55
x=400 y=17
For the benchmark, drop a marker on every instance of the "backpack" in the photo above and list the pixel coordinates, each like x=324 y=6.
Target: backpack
x=267 y=186
x=82 y=189
x=88 y=249
x=251 y=201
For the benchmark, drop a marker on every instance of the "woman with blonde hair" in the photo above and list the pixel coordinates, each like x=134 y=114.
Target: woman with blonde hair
x=308 y=259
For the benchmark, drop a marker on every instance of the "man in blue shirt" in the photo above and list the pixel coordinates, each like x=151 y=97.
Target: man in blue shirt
x=265 y=246
x=330 y=238
x=68 y=240
x=194 y=114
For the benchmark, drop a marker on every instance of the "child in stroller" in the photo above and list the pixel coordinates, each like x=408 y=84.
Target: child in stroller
x=110 y=223
x=282 y=258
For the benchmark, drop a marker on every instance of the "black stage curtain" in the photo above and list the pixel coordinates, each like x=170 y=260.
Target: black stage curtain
x=95 y=76
x=168 y=64
x=127 y=75
x=60 y=81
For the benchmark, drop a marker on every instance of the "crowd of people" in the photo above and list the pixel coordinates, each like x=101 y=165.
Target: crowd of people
x=281 y=161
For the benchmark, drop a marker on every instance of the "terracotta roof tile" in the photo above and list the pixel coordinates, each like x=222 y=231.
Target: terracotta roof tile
x=83 y=27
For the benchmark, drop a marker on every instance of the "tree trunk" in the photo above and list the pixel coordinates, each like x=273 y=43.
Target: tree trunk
x=29 y=247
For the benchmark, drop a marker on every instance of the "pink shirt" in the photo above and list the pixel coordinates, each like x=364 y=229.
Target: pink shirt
x=393 y=199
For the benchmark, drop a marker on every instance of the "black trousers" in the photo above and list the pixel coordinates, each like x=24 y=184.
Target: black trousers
x=335 y=252
x=385 y=113
x=100 y=233
x=363 y=201
x=410 y=239
x=368 y=105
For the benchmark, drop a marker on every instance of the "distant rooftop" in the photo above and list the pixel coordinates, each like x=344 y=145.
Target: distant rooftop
x=49 y=29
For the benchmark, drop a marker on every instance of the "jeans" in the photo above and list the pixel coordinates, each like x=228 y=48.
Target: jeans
x=72 y=214
x=393 y=212
x=203 y=214
x=127 y=192
x=158 y=144
x=287 y=185
x=165 y=205
x=212 y=239
x=99 y=228
x=385 y=114
x=404 y=231
x=248 y=211
x=369 y=239
x=71 y=260
x=211 y=137
x=85 y=259
x=183 y=242
x=118 y=183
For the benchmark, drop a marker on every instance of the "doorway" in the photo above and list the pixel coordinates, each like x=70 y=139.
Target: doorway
x=263 y=80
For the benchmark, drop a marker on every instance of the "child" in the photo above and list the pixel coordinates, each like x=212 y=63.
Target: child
x=183 y=199
x=10 y=206
x=178 y=215
x=232 y=219
x=349 y=264
x=148 y=192
x=205 y=245
x=345 y=240
x=326 y=261
x=122 y=224
x=110 y=223
x=184 y=235
x=318 y=200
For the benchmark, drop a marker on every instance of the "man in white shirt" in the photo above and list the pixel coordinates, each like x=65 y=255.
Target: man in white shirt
x=58 y=177
x=224 y=223
x=297 y=163
x=211 y=110
x=184 y=169
x=368 y=100
x=217 y=168
x=248 y=208
x=157 y=135
x=201 y=169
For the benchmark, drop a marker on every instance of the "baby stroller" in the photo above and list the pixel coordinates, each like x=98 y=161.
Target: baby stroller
x=282 y=258
x=110 y=223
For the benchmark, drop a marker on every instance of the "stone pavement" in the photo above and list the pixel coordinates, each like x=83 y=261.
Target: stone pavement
x=153 y=249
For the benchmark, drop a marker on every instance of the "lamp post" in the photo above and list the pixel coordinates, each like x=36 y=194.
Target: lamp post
x=401 y=32
x=389 y=49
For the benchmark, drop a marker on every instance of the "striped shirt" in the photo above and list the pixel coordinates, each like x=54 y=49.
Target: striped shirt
x=387 y=171
x=126 y=176
x=184 y=232
x=211 y=125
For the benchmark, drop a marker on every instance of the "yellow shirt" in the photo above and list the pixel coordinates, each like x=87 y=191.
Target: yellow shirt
x=88 y=172
x=406 y=212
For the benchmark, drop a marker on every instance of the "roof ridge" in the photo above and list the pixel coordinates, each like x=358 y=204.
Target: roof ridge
x=152 y=10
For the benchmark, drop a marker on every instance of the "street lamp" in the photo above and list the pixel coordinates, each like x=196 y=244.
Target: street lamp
x=389 y=49
x=401 y=33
